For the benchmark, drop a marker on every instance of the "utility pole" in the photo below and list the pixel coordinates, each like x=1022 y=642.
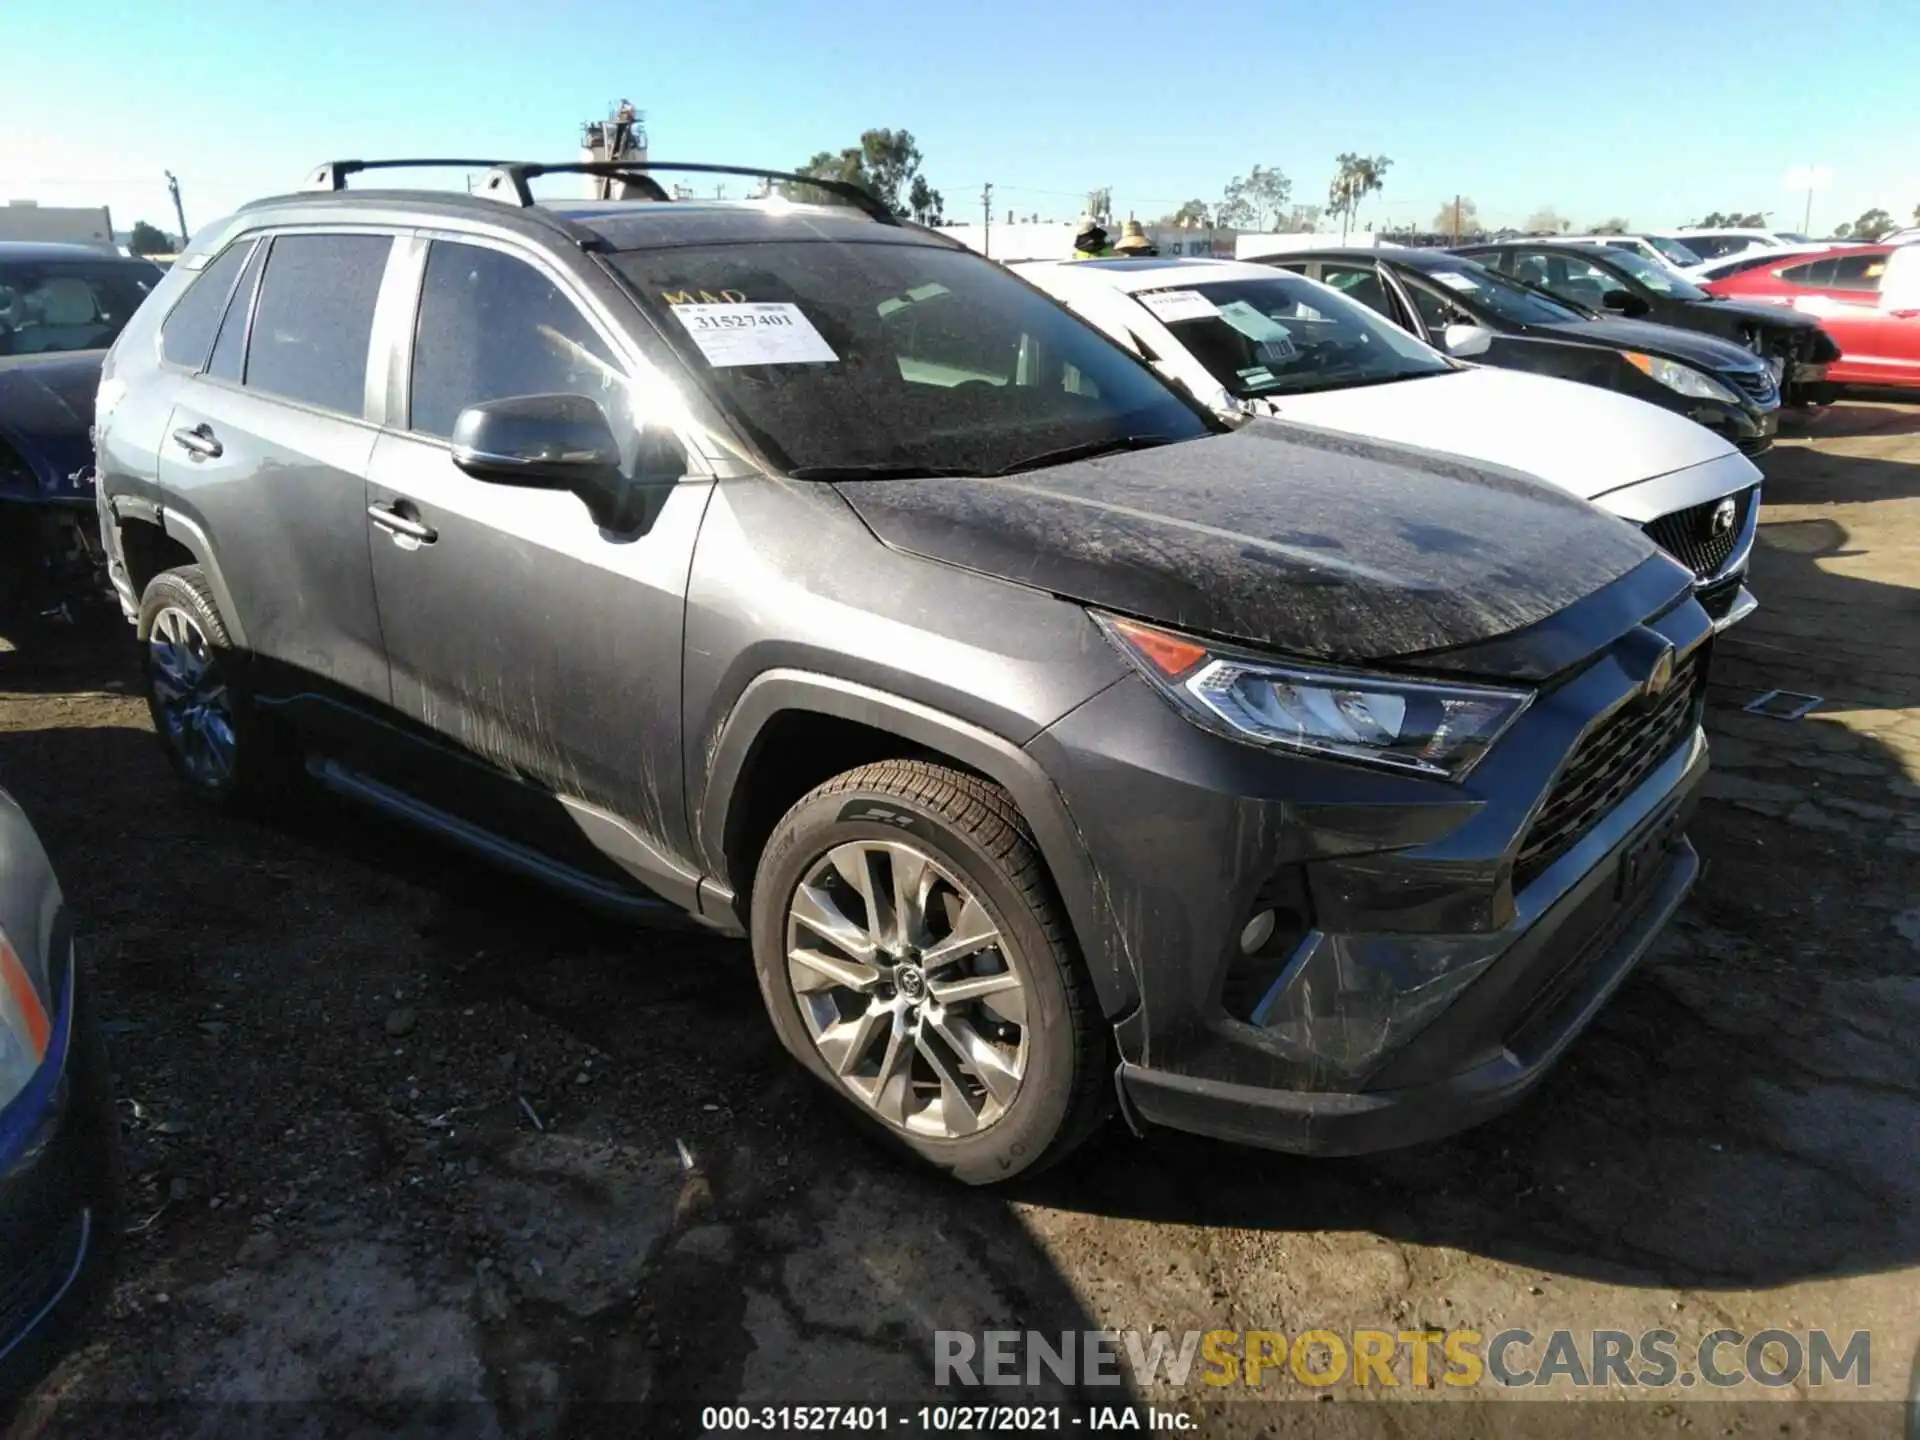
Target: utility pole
x=986 y=219
x=1456 y=219
x=173 y=188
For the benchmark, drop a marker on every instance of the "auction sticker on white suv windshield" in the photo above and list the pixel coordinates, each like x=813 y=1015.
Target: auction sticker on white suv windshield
x=756 y=333
x=1172 y=306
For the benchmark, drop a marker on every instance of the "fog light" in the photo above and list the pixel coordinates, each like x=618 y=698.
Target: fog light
x=1258 y=931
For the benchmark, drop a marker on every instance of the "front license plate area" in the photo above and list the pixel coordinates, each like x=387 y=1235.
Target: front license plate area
x=1644 y=856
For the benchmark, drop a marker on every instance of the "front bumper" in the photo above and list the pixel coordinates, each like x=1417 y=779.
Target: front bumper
x=59 y=1197
x=1449 y=891
x=1512 y=1024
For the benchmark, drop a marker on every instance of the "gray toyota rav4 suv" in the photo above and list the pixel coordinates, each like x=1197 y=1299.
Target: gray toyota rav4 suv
x=800 y=570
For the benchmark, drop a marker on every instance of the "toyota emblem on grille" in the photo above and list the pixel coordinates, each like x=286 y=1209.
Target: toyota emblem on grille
x=1722 y=518
x=1661 y=675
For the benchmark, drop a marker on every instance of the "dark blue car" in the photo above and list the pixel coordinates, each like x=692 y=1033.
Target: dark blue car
x=59 y=1150
x=61 y=306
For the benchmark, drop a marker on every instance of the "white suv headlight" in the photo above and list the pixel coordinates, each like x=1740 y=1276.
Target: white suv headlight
x=25 y=1026
x=1428 y=727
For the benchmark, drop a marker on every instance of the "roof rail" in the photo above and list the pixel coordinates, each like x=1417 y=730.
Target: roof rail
x=508 y=180
x=333 y=175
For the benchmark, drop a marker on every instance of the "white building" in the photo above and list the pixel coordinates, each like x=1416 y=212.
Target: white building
x=1252 y=247
x=66 y=225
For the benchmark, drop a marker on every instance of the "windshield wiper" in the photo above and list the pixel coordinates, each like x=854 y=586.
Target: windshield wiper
x=1086 y=450
x=883 y=470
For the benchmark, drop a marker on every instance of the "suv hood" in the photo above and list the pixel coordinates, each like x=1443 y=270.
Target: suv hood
x=1581 y=438
x=1296 y=540
x=1702 y=351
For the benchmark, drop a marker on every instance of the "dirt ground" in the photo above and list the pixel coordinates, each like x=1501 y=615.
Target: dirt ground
x=400 y=1131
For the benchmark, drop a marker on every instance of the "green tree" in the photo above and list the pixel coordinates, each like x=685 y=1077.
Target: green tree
x=1299 y=219
x=1733 y=220
x=1255 y=201
x=1194 y=213
x=1457 y=217
x=926 y=203
x=884 y=164
x=149 y=240
x=1358 y=177
x=1547 y=221
x=1614 y=225
x=1872 y=224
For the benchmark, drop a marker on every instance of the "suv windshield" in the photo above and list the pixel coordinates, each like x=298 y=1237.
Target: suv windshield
x=1504 y=299
x=1657 y=278
x=1287 y=336
x=69 y=304
x=1676 y=253
x=885 y=357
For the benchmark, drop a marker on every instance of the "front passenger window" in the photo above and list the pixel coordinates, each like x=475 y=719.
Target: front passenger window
x=492 y=326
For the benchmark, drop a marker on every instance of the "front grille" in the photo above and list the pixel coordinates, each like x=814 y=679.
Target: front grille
x=1605 y=767
x=1702 y=537
x=27 y=1290
x=1757 y=386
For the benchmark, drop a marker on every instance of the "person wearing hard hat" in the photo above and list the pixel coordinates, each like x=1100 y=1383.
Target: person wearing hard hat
x=1134 y=242
x=1089 y=239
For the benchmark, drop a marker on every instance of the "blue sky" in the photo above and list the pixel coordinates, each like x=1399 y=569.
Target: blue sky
x=1651 y=111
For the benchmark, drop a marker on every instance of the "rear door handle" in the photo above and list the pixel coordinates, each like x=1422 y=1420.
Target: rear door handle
x=402 y=527
x=198 y=441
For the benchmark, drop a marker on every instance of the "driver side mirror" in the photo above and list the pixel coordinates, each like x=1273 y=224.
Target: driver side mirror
x=1625 y=302
x=565 y=442
x=1462 y=340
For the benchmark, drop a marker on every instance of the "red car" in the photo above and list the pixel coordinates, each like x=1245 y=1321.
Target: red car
x=1867 y=297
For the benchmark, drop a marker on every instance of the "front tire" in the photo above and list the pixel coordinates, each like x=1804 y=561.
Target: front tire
x=210 y=735
x=913 y=957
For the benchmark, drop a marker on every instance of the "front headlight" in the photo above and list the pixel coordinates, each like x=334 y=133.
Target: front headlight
x=1427 y=727
x=1683 y=379
x=25 y=1029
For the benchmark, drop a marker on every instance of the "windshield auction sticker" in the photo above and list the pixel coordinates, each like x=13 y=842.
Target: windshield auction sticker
x=1455 y=280
x=1173 y=306
x=754 y=333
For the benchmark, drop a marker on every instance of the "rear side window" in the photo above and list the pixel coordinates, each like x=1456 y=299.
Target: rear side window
x=229 y=351
x=1858 y=272
x=188 y=333
x=314 y=318
x=492 y=326
x=1819 y=274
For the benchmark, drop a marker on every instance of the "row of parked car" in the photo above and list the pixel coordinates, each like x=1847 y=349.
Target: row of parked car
x=1200 y=688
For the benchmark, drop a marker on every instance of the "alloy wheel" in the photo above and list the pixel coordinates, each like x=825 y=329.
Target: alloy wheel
x=909 y=991
x=190 y=697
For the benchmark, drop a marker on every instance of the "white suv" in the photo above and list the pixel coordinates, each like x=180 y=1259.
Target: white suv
x=1251 y=339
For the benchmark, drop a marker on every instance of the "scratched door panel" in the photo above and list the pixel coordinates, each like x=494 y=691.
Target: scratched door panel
x=530 y=639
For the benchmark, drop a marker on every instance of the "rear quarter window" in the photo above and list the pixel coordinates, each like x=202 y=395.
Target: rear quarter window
x=187 y=334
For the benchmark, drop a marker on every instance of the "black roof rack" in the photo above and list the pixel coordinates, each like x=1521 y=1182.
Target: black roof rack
x=333 y=175
x=510 y=177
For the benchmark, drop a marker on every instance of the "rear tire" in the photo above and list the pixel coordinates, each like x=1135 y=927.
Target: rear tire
x=914 y=958
x=221 y=750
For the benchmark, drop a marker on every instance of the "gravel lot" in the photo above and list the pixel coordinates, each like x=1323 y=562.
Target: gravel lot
x=401 y=1131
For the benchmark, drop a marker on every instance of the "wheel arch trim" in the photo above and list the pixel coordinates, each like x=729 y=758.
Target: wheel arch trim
x=1039 y=801
x=190 y=533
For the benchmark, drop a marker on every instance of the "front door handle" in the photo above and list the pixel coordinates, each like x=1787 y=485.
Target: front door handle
x=403 y=528
x=198 y=441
